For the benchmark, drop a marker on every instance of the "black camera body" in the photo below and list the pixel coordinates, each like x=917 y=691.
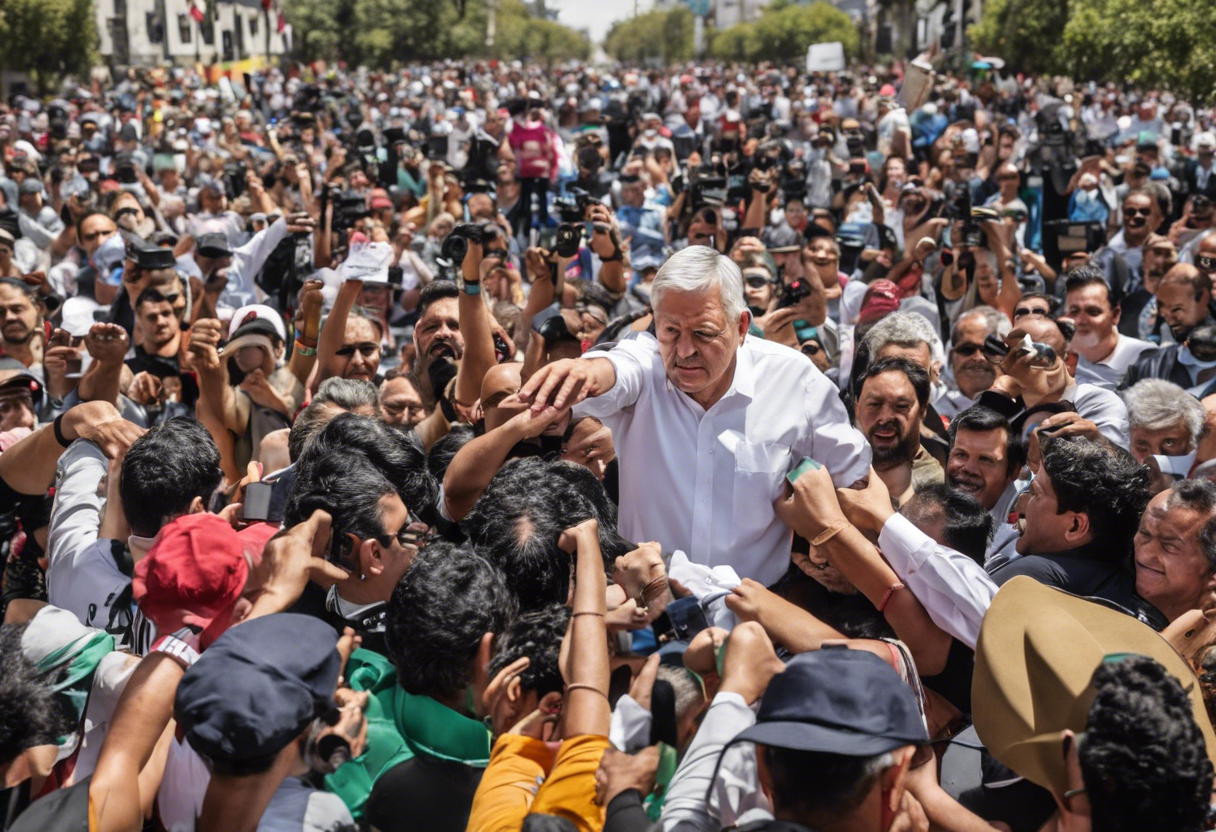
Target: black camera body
x=349 y=208
x=568 y=240
x=794 y=293
x=456 y=245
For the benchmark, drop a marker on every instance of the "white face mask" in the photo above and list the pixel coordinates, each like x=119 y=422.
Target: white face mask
x=110 y=253
x=1086 y=341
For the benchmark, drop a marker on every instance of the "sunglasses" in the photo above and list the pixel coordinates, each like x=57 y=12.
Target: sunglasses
x=414 y=533
x=811 y=348
x=1137 y=212
x=756 y=282
x=1205 y=263
x=967 y=350
x=366 y=350
x=1022 y=312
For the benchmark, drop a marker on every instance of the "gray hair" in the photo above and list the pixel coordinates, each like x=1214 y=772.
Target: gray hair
x=348 y=394
x=688 y=693
x=995 y=322
x=698 y=269
x=905 y=329
x=1157 y=404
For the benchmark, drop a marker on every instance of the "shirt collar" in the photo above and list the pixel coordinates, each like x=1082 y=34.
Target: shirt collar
x=433 y=728
x=744 y=382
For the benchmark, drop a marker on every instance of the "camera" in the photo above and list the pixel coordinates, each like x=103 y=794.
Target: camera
x=794 y=293
x=961 y=209
x=456 y=245
x=349 y=208
x=569 y=238
x=124 y=169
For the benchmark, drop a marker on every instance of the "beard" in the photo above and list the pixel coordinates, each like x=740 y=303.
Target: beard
x=889 y=456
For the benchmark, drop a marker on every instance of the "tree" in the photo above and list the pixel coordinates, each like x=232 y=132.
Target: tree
x=1162 y=44
x=663 y=35
x=48 y=38
x=784 y=31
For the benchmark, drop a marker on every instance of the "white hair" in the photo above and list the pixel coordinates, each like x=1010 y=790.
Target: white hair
x=1157 y=404
x=995 y=321
x=698 y=269
x=906 y=329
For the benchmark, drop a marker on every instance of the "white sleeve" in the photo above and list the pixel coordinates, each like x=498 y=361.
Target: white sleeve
x=835 y=443
x=630 y=730
x=633 y=361
x=954 y=589
x=686 y=808
x=248 y=260
x=1106 y=410
x=76 y=558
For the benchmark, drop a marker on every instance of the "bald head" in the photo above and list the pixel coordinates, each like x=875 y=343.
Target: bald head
x=501 y=381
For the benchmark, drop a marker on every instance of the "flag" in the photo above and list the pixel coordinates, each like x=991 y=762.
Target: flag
x=196 y=13
x=282 y=23
x=266 y=5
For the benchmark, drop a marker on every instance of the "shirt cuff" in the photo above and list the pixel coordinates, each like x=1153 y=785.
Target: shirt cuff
x=899 y=542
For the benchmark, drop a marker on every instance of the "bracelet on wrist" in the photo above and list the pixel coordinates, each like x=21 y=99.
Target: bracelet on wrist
x=471 y=288
x=305 y=350
x=58 y=428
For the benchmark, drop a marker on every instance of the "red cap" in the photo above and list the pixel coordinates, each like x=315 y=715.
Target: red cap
x=881 y=299
x=197 y=565
x=887 y=91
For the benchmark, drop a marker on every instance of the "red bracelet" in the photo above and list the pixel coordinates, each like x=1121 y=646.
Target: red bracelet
x=890 y=591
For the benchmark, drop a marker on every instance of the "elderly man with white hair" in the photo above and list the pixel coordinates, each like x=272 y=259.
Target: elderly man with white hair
x=707 y=420
x=1163 y=419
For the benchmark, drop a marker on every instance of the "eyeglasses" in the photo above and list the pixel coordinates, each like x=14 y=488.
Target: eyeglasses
x=1137 y=212
x=1205 y=263
x=367 y=350
x=1022 y=312
x=968 y=349
x=757 y=282
x=811 y=348
x=414 y=533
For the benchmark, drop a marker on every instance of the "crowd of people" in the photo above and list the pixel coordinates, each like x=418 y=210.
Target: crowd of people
x=456 y=448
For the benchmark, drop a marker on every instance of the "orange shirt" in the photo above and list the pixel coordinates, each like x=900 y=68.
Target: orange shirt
x=517 y=769
x=569 y=790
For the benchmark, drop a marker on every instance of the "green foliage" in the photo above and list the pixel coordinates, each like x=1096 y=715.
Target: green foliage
x=1162 y=44
x=48 y=37
x=663 y=35
x=380 y=33
x=784 y=31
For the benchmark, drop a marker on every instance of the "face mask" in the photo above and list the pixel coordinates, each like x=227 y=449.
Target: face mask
x=110 y=253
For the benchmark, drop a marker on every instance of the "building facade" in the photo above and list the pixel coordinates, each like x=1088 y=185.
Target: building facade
x=159 y=32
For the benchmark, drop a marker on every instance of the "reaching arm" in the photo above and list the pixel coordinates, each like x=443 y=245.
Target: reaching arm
x=477 y=327
x=28 y=467
x=586 y=709
x=311 y=301
x=107 y=344
x=474 y=465
x=334 y=331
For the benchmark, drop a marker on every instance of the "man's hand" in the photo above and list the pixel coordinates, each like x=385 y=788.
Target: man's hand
x=101 y=424
x=107 y=343
x=748 y=600
x=606 y=233
x=563 y=383
x=910 y=817
x=1037 y=382
x=300 y=223
x=778 y=326
x=528 y=424
x=262 y=393
x=204 y=343
x=750 y=662
x=643 y=576
x=642 y=686
x=55 y=364
x=145 y=389
x=620 y=772
x=575 y=536
x=1070 y=424
x=290 y=560
x=867 y=508
x=811 y=505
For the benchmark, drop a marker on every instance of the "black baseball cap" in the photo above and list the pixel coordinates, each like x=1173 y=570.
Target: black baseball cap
x=214 y=245
x=258 y=687
x=20 y=384
x=148 y=256
x=838 y=701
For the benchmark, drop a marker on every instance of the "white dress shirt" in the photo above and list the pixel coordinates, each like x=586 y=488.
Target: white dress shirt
x=705 y=481
x=1108 y=372
x=953 y=588
x=1102 y=407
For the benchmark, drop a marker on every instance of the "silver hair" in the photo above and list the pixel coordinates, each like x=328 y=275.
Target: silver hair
x=906 y=329
x=1157 y=404
x=688 y=692
x=698 y=269
x=348 y=394
x=995 y=321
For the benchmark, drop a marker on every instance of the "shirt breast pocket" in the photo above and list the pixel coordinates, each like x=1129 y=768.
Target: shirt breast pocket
x=759 y=470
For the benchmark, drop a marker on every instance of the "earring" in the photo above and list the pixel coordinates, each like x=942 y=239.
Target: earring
x=362 y=577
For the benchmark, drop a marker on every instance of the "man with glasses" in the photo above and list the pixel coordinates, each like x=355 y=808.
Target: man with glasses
x=92 y=230
x=1141 y=217
x=972 y=372
x=401 y=401
x=1103 y=353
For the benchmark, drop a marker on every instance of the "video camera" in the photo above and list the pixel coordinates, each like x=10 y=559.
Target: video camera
x=573 y=212
x=961 y=210
x=349 y=208
x=794 y=293
x=456 y=245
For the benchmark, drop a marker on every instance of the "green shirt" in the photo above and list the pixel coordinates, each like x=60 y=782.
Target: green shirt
x=400 y=726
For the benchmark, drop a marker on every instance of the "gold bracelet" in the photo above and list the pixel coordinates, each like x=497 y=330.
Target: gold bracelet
x=830 y=532
x=583 y=686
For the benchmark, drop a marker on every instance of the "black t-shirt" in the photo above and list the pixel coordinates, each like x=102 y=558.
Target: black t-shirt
x=1086 y=573
x=424 y=794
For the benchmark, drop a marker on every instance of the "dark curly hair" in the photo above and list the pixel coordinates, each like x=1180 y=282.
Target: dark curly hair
x=516 y=523
x=447 y=601
x=1103 y=482
x=538 y=635
x=30 y=714
x=1143 y=758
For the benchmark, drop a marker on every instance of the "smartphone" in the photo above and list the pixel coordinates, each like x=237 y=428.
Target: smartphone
x=256 y=507
x=681 y=621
